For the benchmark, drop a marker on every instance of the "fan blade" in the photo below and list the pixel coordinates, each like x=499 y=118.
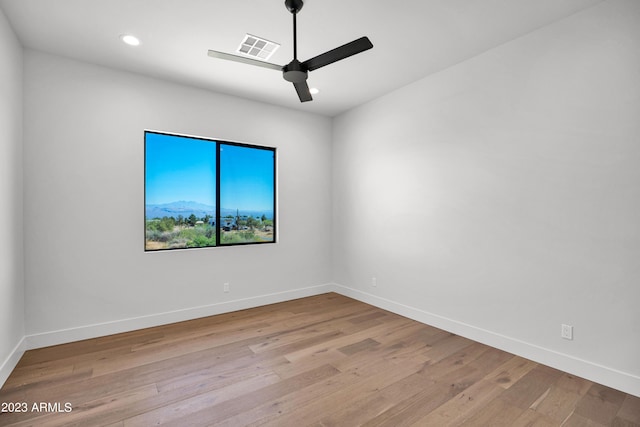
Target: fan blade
x=342 y=52
x=303 y=91
x=236 y=58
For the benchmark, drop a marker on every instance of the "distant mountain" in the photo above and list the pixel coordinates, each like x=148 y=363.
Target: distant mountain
x=181 y=207
x=186 y=208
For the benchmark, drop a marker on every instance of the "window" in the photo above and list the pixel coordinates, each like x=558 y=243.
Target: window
x=204 y=193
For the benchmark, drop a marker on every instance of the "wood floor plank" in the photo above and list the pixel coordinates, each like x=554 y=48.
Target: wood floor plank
x=415 y=407
x=630 y=410
x=363 y=380
x=95 y=387
x=249 y=377
x=558 y=404
x=326 y=360
x=576 y=420
x=297 y=405
x=176 y=410
x=89 y=347
x=531 y=387
x=601 y=404
x=219 y=412
x=346 y=339
x=510 y=372
x=532 y=418
x=460 y=408
x=310 y=361
x=92 y=412
x=405 y=401
x=496 y=413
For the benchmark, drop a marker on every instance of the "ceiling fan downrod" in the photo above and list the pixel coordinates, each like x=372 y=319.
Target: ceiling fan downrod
x=293 y=72
x=295 y=38
x=294 y=6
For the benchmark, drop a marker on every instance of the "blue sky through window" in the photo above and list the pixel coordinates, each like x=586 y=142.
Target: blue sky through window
x=180 y=169
x=246 y=179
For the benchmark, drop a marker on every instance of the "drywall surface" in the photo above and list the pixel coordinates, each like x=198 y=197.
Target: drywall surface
x=502 y=195
x=84 y=202
x=11 y=225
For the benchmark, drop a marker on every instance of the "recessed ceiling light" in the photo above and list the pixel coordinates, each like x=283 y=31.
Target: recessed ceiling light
x=314 y=91
x=130 y=40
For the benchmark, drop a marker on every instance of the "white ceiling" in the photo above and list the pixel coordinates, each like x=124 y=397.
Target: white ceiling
x=411 y=38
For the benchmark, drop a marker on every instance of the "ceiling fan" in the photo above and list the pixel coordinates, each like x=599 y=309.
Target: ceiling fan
x=295 y=71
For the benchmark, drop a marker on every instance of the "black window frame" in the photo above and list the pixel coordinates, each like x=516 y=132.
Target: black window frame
x=218 y=208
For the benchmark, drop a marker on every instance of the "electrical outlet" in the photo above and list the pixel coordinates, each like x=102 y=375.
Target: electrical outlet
x=374 y=281
x=226 y=287
x=567 y=332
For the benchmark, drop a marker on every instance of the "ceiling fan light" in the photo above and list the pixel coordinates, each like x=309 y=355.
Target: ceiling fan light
x=130 y=39
x=314 y=91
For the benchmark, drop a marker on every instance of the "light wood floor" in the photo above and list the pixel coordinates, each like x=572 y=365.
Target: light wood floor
x=321 y=361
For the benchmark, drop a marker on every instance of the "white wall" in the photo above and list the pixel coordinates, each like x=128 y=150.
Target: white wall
x=86 y=271
x=501 y=198
x=11 y=234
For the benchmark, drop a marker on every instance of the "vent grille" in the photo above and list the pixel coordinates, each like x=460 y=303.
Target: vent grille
x=257 y=47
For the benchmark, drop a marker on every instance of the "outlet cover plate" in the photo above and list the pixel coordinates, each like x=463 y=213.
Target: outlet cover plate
x=567 y=332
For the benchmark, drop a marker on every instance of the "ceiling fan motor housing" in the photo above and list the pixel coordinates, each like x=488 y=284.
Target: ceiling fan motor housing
x=294 y=72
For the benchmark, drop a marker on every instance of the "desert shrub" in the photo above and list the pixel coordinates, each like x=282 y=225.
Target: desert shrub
x=210 y=231
x=247 y=235
x=201 y=241
x=239 y=237
x=160 y=236
x=178 y=243
x=230 y=238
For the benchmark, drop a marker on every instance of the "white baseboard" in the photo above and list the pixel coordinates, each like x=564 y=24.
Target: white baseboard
x=64 y=336
x=613 y=378
x=11 y=361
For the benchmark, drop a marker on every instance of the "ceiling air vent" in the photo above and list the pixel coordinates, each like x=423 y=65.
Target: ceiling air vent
x=256 y=47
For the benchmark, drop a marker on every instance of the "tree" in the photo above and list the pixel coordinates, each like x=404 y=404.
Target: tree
x=166 y=223
x=252 y=222
x=192 y=220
